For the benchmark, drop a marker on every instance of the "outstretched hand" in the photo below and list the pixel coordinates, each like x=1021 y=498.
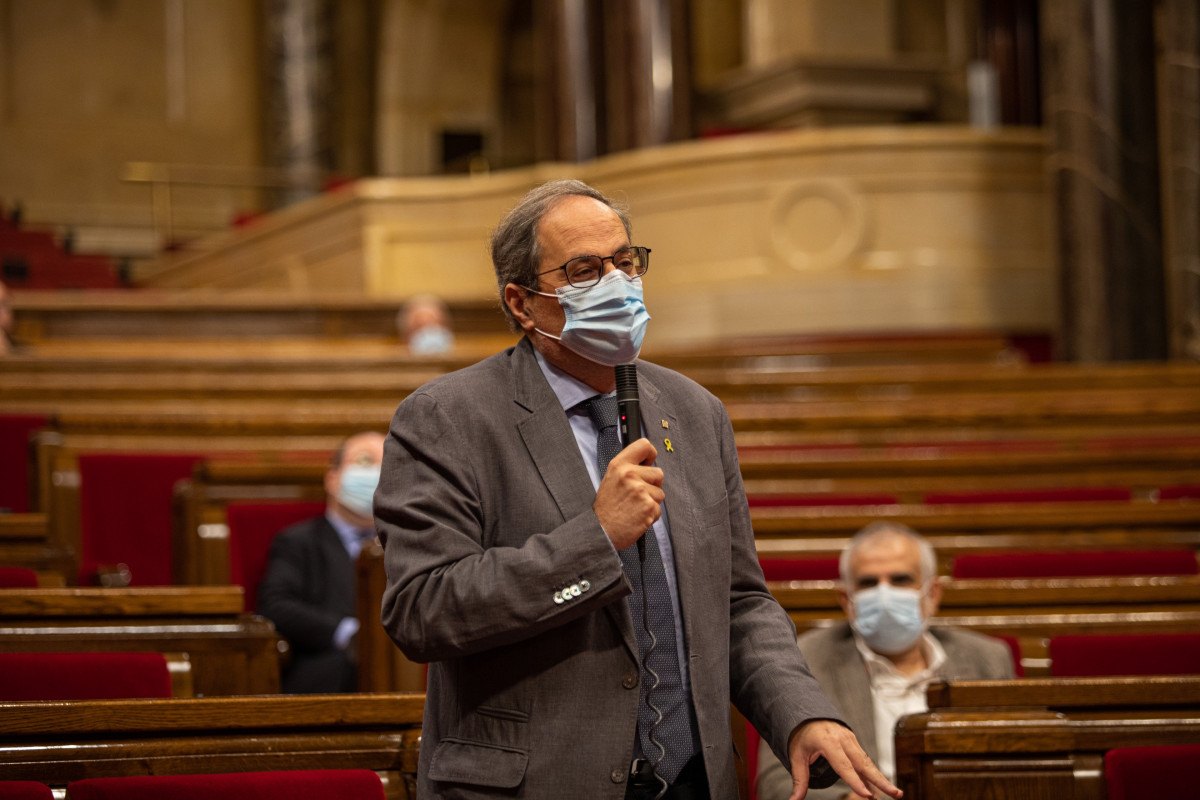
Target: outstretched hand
x=836 y=742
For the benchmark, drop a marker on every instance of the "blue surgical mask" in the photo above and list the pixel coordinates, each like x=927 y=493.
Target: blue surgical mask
x=431 y=340
x=606 y=322
x=356 y=489
x=888 y=618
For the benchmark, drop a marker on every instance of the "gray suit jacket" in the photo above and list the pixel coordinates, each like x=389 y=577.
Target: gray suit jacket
x=485 y=511
x=839 y=667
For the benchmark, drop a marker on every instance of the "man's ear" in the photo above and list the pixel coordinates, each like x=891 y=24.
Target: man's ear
x=935 y=596
x=844 y=600
x=515 y=297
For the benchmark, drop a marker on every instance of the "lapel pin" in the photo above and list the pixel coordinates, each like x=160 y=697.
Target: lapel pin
x=665 y=424
x=667 y=442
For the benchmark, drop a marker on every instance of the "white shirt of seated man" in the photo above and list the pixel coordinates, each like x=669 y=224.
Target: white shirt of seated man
x=889 y=595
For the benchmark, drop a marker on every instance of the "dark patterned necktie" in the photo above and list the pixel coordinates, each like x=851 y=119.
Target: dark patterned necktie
x=676 y=732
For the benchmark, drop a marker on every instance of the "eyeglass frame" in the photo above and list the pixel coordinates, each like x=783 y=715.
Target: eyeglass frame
x=645 y=259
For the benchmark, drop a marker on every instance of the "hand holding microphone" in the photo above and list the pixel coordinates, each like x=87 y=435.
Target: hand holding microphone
x=630 y=496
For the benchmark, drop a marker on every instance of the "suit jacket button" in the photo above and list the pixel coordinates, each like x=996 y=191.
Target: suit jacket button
x=558 y=598
x=584 y=585
x=630 y=681
x=617 y=775
x=575 y=590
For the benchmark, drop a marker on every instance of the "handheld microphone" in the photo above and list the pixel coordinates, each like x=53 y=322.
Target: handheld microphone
x=629 y=421
x=629 y=414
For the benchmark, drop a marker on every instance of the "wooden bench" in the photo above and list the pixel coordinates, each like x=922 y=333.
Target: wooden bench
x=57 y=743
x=200 y=530
x=25 y=541
x=230 y=652
x=825 y=530
x=1031 y=610
x=768 y=381
x=1013 y=740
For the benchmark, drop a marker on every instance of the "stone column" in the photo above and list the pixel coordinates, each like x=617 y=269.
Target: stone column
x=297 y=69
x=1100 y=114
x=570 y=88
x=647 y=58
x=1179 y=44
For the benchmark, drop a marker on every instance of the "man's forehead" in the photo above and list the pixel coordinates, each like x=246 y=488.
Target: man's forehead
x=892 y=554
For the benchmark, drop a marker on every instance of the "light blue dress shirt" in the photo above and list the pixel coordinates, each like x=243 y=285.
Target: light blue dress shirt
x=570 y=393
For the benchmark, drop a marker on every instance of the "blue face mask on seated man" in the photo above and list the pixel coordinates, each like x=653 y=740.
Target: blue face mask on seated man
x=356 y=489
x=606 y=322
x=888 y=618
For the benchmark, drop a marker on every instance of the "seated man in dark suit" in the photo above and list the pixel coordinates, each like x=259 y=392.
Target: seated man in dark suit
x=308 y=588
x=875 y=666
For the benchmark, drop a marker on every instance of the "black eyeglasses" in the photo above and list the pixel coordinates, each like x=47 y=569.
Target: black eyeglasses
x=584 y=271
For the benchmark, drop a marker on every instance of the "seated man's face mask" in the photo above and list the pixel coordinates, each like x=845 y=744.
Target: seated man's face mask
x=606 y=323
x=356 y=487
x=888 y=618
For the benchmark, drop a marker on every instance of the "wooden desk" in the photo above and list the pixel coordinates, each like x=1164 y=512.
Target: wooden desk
x=60 y=742
x=1038 y=740
x=231 y=653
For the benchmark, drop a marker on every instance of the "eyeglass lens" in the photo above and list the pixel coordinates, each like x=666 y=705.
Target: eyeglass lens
x=587 y=270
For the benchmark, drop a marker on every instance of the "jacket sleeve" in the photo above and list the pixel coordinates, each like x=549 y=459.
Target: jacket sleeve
x=770 y=682
x=450 y=593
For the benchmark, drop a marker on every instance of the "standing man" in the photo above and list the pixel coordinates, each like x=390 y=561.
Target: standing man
x=565 y=662
x=876 y=665
x=308 y=587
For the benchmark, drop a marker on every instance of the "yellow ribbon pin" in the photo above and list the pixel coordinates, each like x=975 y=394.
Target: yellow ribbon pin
x=667 y=442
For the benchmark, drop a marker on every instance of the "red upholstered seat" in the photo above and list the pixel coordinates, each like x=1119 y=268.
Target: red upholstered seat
x=1014 y=648
x=800 y=569
x=1076 y=563
x=83 y=676
x=15 y=430
x=25 y=790
x=125 y=512
x=18 y=578
x=1187 y=491
x=1057 y=494
x=330 y=784
x=752 y=740
x=784 y=500
x=1152 y=773
x=1128 y=654
x=252 y=526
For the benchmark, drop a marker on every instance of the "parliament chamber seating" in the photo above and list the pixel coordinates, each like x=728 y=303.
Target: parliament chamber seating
x=25 y=790
x=1125 y=654
x=15 y=433
x=1151 y=773
x=1075 y=563
x=125 y=513
x=252 y=527
x=83 y=676
x=1047 y=737
x=343 y=784
x=202 y=631
x=18 y=578
x=74 y=740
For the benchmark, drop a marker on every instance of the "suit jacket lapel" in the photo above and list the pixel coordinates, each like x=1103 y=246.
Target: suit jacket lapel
x=680 y=502
x=552 y=446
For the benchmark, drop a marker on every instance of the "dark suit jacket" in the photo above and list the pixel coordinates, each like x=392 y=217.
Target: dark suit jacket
x=308 y=588
x=840 y=668
x=485 y=511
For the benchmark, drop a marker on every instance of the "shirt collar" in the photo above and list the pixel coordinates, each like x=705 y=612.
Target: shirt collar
x=352 y=536
x=569 y=390
x=879 y=667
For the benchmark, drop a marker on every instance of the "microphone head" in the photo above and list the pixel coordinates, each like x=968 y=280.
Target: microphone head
x=627 y=385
